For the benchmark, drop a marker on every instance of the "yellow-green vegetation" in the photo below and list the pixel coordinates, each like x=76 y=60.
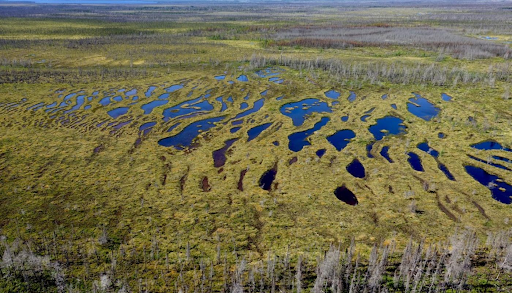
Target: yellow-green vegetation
x=102 y=199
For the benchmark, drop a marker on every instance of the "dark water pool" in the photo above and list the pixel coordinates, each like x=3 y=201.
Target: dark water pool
x=384 y=152
x=356 y=169
x=415 y=162
x=219 y=156
x=267 y=179
x=297 y=141
x=489 y=145
x=369 y=148
x=446 y=172
x=502 y=159
x=426 y=148
x=321 y=152
x=345 y=195
x=341 y=138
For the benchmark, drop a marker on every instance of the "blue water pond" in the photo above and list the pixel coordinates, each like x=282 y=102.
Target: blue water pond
x=415 y=162
x=356 y=169
x=500 y=190
x=243 y=78
x=489 y=145
x=352 y=97
x=341 y=138
x=297 y=140
x=384 y=152
x=257 y=130
x=332 y=94
x=297 y=111
x=118 y=112
x=185 y=138
x=422 y=108
x=148 y=108
x=389 y=125
x=446 y=97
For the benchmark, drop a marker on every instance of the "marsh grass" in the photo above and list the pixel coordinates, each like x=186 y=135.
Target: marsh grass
x=112 y=210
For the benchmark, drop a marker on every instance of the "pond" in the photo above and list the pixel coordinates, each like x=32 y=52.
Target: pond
x=345 y=195
x=352 y=97
x=489 y=163
x=415 y=162
x=146 y=127
x=332 y=94
x=267 y=178
x=297 y=111
x=224 y=106
x=356 y=169
x=321 y=152
x=500 y=190
x=118 y=112
x=297 y=140
x=422 y=108
x=149 y=92
x=148 y=108
x=256 y=107
x=446 y=97
x=235 y=129
x=341 y=138
x=384 y=152
x=185 y=138
x=389 y=125
x=242 y=78
x=219 y=156
x=186 y=108
x=489 y=145
x=257 y=130
x=174 y=88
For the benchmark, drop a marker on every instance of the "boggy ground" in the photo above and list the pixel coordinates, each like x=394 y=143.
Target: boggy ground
x=80 y=184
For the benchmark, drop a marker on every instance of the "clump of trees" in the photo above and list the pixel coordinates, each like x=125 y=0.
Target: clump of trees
x=394 y=72
x=461 y=264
